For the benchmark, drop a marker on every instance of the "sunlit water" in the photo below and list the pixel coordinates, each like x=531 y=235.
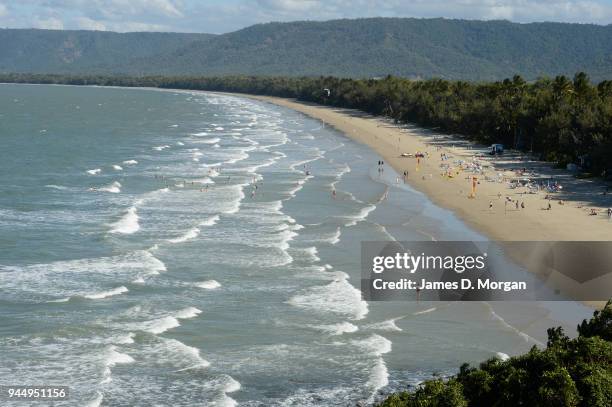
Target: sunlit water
x=140 y=265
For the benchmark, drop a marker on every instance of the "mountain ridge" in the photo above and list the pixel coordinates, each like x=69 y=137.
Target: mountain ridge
x=367 y=47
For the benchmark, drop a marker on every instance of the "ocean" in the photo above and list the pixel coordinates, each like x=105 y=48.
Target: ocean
x=178 y=248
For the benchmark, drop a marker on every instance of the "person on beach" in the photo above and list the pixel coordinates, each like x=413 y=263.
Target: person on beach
x=334 y=193
x=609 y=214
x=490 y=206
x=523 y=205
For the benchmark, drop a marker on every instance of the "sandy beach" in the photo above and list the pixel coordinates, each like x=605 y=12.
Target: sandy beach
x=568 y=219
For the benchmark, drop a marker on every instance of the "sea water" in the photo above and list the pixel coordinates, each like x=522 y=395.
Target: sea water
x=185 y=249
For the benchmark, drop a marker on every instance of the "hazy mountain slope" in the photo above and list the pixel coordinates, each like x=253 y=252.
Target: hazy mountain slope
x=407 y=47
x=455 y=49
x=44 y=51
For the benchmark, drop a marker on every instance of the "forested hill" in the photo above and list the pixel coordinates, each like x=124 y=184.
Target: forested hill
x=49 y=51
x=373 y=47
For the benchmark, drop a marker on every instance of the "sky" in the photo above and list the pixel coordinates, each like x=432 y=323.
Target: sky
x=221 y=16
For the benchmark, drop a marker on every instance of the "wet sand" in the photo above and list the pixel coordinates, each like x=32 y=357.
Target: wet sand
x=504 y=222
x=568 y=219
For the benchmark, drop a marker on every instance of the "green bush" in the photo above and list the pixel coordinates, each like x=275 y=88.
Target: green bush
x=568 y=373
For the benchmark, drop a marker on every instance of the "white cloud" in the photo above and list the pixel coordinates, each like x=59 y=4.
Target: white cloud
x=290 y=5
x=87 y=23
x=50 y=23
x=164 y=8
x=583 y=11
x=218 y=16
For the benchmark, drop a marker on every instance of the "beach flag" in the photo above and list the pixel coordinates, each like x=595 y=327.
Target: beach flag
x=474 y=183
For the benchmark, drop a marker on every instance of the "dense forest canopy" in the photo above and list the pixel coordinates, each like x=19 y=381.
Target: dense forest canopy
x=361 y=48
x=564 y=120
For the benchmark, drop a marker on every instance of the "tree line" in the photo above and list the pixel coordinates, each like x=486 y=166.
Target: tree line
x=561 y=120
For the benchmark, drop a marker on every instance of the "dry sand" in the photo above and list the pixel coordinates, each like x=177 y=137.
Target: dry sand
x=570 y=221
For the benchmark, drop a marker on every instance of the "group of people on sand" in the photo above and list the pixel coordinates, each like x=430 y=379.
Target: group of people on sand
x=518 y=205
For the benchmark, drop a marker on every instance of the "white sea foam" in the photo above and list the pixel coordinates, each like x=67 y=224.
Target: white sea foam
x=58 y=187
x=388 y=325
x=180 y=143
x=187 y=313
x=337 y=329
x=374 y=344
x=240 y=156
x=186 y=355
x=210 y=221
x=213 y=172
x=96 y=401
x=379 y=376
x=94 y=171
x=113 y=357
x=59 y=300
x=219 y=128
x=125 y=339
x=200 y=134
x=128 y=224
x=312 y=253
x=130 y=162
x=224 y=401
x=208 y=285
x=425 y=311
x=114 y=187
x=362 y=215
x=160 y=325
x=213 y=140
x=105 y=294
x=117 y=167
x=161 y=148
x=190 y=234
x=338 y=297
x=234 y=206
x=502 y=356
x=335 y=238
x=60 y=280
x=204 y=181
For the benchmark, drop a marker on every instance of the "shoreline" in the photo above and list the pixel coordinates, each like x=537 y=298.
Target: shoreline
x=567 y=222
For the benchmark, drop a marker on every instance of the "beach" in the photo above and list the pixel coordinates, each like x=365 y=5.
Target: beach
x=213 y=243
x=487 y=211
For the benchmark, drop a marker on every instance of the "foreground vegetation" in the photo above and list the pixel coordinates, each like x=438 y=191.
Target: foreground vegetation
x=561 y=120
x=569 y=372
